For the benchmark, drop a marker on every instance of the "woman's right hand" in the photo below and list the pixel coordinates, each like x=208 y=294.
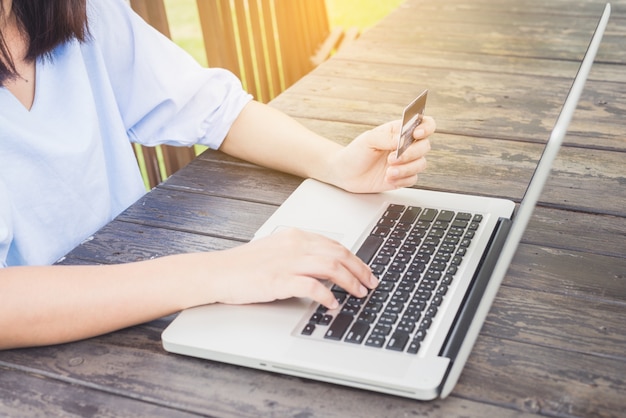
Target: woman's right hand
x=289 y=263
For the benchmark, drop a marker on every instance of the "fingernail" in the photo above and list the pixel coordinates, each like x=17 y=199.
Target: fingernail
x=418 y=133
x=373 y=281
x=362 y=290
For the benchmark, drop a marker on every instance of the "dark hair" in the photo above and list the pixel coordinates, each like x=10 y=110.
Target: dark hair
x=47 y=23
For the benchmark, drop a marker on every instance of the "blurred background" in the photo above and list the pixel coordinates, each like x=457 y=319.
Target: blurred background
x=185 y=24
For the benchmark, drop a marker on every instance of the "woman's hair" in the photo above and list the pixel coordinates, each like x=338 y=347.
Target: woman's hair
x=47 y=23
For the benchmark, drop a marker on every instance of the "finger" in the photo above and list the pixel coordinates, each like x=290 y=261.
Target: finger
x=416 y=151
x=406 y=174
x=425 y=128
x=338 y=253
x=308 y=287
x=337 y=264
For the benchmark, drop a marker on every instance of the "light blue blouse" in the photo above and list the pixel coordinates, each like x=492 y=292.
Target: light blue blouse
x=67 y=166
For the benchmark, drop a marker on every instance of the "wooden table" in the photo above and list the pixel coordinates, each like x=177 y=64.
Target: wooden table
x=554 y=342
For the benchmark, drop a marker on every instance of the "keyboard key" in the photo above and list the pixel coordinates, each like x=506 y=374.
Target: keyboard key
x=459 y=223
x=340 y=294
x=308 y=329
x=357 y=332
x=375 y=341
x=445 y=216
x=381 y=231
x=395 y=208
x=315 y=318
x=406 y=326
x=388 y=318
x=410 y=214
x=428 y=215
x=419 y=335
x=368 y=317
x=398 y=341
x=414 y=347
x=339 y=327
x=369 y=248
x=382 y=329
x=462 y=216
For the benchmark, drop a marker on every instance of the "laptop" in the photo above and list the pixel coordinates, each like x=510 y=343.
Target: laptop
x=440 y=258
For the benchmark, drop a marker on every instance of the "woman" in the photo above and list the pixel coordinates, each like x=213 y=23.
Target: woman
x=82 y=79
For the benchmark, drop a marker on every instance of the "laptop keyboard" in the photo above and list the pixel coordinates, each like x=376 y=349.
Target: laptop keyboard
x=415 y=253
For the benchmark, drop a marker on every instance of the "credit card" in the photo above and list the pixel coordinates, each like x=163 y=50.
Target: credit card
x=411 y=117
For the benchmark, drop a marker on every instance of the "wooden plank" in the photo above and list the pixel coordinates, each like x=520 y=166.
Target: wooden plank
x=577 y=231
x=136 y=366
x=517 y=107
x=153 y=12
x=549 y=226
x=200 y=214
x=218 y=174
x=576 y=324
x=502 y=29
x=361 y=55
x=543 y=380
x=570 y=273
x=220 y=40
x=259 y=40
x=580 y=180
x=25 y=393
x=124 y=242
x=554 y=7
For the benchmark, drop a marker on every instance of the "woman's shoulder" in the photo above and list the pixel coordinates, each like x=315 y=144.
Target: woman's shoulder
x=108 y=16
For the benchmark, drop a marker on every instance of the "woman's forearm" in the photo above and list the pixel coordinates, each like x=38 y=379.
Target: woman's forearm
x=53 y=304
x=265 y=136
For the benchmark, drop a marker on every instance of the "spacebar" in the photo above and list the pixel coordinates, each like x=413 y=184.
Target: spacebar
x=369 y=248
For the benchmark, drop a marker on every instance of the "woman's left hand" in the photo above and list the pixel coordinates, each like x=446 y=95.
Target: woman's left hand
x=369 y=164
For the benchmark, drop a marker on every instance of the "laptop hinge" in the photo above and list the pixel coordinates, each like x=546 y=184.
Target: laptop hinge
x=476 y=290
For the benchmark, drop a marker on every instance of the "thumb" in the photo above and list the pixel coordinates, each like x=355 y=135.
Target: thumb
x=385 y=137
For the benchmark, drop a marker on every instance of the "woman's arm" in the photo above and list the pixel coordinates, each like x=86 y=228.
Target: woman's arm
x=266 y=136
x=56 y=304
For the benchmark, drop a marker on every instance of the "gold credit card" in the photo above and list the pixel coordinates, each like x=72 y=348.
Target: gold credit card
x=411 y=117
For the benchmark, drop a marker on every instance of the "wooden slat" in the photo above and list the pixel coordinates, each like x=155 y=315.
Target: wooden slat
x=273 y=54
x=136 y=241
x=173 y=158
x=275 y=40
x=134 y=356
x=511 y=106
x=259 y=42
x=33 y=395
x=203 y=214
x=153 y=12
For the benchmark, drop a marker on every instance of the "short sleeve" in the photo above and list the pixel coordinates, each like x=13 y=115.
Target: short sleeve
x=163 y=94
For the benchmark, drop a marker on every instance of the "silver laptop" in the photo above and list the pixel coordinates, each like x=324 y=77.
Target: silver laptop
x=440 y=258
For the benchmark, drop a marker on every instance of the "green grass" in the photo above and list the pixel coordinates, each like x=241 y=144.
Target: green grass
x=185 y=25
